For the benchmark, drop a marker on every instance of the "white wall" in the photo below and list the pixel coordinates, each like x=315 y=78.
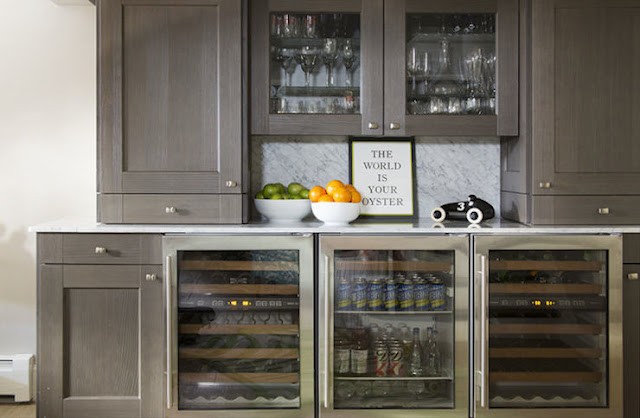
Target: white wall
x=47 y=143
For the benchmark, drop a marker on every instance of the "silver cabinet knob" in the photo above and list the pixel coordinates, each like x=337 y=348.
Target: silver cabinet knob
x=101 y=250
x=372 y=125
x=394 y=126
x=632 y=276
x=545 y=185
x=603 y=211
x=150 y=277
x=231 y=183
x=170 y=209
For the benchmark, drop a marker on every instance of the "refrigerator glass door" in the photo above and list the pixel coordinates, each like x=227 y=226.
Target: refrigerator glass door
x=394 y=332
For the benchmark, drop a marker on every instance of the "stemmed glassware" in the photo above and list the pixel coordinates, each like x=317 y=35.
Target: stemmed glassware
x=307 y=58
x=417 y=65
x=350 y=60
x=330 y=57
x=282 y=57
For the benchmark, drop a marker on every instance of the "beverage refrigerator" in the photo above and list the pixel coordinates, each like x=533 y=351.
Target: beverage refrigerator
x=548 y=326
x=393 y=326
x=239 y=326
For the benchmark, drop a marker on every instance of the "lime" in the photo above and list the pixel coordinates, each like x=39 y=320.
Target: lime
x=304 y=194
x=280 y=187
x=276 y=196
x=269 y=190
x=294 y=188
x=297 y=197
x=259 y=195
x=286 y=196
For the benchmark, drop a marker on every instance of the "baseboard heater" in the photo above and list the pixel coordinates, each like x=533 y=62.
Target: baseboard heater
x=16 y=377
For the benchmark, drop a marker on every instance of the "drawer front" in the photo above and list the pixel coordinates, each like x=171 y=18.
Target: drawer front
x=182 y=209
x=111 y=249
x=631 y=341
x=631 y=248
x=586 y=210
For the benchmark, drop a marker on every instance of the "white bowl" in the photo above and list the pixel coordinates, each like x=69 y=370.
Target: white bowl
x=283 y=211
x=336 y=213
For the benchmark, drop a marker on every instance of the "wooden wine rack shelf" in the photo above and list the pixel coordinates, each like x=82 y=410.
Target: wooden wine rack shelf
x=238 y=353
x=254 y=329
x=547 y=289
x=240 y=289
x=545 y=353
x=192 y=378
x=546 y=377
x=392 y=265
x=545 y=265
x=227 y=265
x=575 y=329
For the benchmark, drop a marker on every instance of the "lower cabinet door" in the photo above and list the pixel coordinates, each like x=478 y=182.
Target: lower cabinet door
x=100 y=341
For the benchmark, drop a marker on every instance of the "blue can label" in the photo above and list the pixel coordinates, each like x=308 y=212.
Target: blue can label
x=436 y=297
x=405 y=295
x=374 y=296
x=343 y=296
x=421 y=295
x=359 y=296
x=389 y=296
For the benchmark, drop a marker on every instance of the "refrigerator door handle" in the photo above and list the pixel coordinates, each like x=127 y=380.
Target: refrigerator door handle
x=326 y=332
x=168 y=325
x=483 y=330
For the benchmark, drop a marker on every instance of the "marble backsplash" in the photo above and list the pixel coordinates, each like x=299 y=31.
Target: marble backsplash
x=447 y=169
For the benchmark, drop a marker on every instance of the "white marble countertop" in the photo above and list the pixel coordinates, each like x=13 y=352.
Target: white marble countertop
x=422 y=226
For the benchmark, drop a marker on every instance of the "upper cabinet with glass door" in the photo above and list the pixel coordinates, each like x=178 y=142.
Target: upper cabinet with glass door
x=317 y=67
x=451 y=67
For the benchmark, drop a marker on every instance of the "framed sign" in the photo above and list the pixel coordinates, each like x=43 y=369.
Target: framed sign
x=383 y=171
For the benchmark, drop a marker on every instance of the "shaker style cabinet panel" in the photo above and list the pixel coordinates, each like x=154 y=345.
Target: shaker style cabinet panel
x=170 y=102
x=374 y=67
x=99 y=334
x=586 y=97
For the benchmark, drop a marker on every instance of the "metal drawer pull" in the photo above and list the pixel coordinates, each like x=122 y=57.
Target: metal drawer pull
x=632 y=276
x=231 y=183
x=603 y=211
x=101 y=250
x=151 y=277
x=170 y=209
x=394 y=126
x=545 y=185
x=373 y=125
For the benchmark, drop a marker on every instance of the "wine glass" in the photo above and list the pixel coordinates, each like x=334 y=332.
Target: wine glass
x=329 y=57
x=283 y=57
x=307 y=58
x=350 y=60
x=413 y=66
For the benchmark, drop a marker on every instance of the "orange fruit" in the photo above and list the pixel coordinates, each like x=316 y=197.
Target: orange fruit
x=355 y=197
x=316 y=192
x=333 y=185
x=350 y=188
x=325 y=198
x=342 y=195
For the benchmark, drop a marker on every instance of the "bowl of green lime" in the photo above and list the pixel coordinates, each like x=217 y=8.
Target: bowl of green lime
x=282 y=204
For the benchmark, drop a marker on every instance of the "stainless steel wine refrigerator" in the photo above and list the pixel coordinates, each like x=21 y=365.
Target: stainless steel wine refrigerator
x=239 y=324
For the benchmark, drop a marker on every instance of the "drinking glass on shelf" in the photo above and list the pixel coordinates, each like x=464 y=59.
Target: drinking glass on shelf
x=283 y=57
x=350 y=60
x=289 y=26
x=330 y=57
x=310 y=28
x=307 y=58
x=276 y=26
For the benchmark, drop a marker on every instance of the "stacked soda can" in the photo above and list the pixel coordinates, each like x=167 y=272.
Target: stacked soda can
x=388 y=357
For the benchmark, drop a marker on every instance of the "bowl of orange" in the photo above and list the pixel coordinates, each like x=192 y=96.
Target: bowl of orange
x=337 y=204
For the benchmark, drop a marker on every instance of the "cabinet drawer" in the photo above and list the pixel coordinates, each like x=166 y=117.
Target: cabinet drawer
x=586 y=210
x=182 y=209
x=111 y=249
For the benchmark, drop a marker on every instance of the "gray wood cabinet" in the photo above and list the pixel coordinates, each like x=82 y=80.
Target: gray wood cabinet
x=100 y=325
x=631 y=325
x=580 y=139
x=170 y=109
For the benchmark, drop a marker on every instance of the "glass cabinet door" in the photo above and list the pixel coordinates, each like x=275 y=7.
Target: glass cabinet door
x=238 y=342
x=444 y=65
x=394 y=331
x=549 y=326
x=308 y=67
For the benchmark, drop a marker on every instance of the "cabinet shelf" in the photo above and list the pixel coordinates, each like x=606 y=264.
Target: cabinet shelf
x=239 y=353
x=545 y=265
x=393 y=379
x=253 y=329
x=471 y=38
x=535 y=288
x=240 y=289
x=239 y=377
x=232 y=265
x=545 y=352
x=546 y=377
x=393 y=265
x=299 y=91
x=297 y=43
x=395 y=312
x=574 y=329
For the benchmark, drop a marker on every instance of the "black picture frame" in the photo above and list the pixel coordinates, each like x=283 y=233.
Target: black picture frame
x=414 y=215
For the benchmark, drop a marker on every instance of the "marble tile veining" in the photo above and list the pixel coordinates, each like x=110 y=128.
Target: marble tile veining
x=447 y=169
